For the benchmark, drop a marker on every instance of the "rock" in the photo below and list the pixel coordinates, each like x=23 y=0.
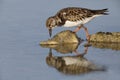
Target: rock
x=66 y=36
x=105 y=37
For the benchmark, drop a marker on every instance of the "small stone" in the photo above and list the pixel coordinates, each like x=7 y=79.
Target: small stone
x=66 y=36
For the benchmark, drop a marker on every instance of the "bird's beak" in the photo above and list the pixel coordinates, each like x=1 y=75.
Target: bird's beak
x=50 y=32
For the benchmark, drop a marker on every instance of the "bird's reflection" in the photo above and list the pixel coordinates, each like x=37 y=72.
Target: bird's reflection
x=76 y=64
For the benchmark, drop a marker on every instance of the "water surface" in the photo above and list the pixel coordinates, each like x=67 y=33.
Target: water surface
x=22 y=27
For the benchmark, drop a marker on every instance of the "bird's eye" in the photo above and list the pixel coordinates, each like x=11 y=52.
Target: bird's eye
x=48 y=24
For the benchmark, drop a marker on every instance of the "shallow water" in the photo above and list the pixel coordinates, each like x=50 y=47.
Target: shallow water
x=22 y=27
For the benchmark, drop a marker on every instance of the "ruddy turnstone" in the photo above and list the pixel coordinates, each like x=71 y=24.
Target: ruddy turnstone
x=73 y=16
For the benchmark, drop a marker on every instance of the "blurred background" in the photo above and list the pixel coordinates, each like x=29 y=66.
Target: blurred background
x=22 y=27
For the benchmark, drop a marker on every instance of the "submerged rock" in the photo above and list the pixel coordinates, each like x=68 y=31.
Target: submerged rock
x=102 y=45
x=66 y=36
x=105 y=37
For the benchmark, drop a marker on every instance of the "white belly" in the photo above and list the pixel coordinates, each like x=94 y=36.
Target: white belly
x=71 y=24
x=77 y=23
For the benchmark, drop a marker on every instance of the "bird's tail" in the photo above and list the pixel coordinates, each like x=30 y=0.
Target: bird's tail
x=101 y=12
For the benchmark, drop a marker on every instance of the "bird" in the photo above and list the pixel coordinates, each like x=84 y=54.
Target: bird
x=74 y=17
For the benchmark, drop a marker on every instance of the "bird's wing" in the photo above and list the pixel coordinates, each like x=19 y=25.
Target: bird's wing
x=74 y=14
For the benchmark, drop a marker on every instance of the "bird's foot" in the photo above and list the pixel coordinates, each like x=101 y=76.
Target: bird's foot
x=88 y=38
x=87 y=44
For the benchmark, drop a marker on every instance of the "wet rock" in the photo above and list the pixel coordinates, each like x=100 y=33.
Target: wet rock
x=66 y=36
x=105 y=37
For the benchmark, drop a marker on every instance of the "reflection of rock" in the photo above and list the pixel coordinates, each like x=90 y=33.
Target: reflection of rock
x=63 y=48
x=113 y=46
x=62 y=37
x=106 y=37
x=72 y=64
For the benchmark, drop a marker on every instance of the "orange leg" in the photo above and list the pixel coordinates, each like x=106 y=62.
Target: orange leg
x=87 y=34
x=85 y=29
x=77 y=29
x=82 y=54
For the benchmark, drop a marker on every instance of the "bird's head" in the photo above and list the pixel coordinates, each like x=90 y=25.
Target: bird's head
x=50 y=24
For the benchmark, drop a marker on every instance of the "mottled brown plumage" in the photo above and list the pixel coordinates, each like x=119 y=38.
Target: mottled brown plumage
x=73 y=16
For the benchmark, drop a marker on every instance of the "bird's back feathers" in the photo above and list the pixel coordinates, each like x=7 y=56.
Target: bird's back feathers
x=76 y=13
